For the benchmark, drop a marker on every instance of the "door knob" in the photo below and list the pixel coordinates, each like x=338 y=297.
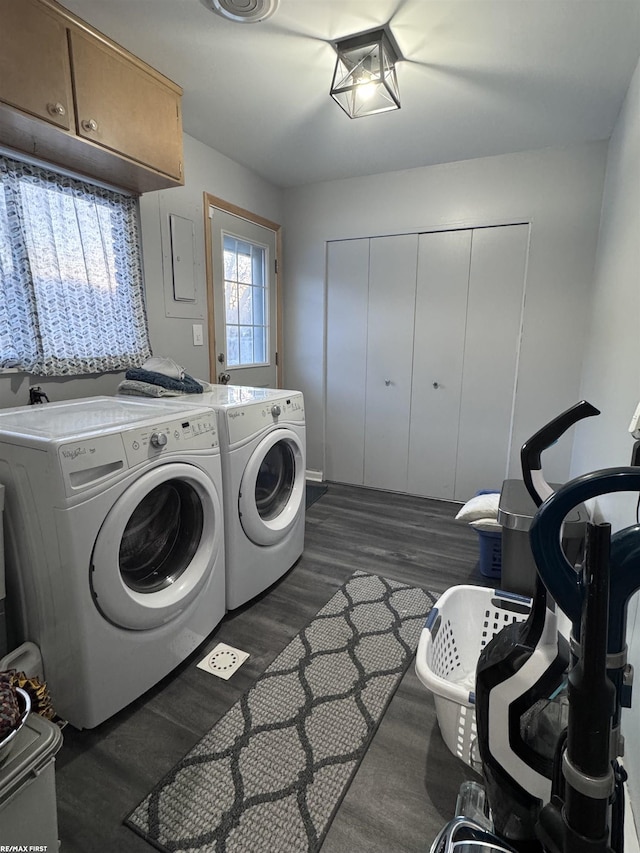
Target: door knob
x=224 y=378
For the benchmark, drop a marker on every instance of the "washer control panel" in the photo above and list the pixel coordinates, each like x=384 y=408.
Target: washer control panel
x=196 y=432
x=88 y=461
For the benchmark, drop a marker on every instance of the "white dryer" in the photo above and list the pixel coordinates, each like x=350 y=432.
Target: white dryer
x=115 y=543
x=263 y=443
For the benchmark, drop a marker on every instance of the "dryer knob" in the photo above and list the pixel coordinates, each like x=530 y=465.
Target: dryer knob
x=158 y=439
x=275 y=411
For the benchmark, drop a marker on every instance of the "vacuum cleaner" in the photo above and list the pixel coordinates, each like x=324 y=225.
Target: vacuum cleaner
x=518 y=672
x=586 y=812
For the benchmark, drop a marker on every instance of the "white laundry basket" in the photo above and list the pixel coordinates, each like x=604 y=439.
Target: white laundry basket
x=461 y=623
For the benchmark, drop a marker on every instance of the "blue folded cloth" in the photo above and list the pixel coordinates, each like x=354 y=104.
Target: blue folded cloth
x=188 y=385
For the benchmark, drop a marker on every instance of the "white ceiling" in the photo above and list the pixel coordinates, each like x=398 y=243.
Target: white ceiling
x=478 y=77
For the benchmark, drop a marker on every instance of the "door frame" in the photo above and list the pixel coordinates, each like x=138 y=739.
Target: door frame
x=210 y=200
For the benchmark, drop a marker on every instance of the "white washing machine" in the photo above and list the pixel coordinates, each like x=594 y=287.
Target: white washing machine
x=263 y=444
x=114 y=543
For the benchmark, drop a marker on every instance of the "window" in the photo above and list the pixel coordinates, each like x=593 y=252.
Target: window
x=71 y=290
x=246 y=303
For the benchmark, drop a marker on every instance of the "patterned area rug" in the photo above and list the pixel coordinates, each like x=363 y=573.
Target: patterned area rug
x=271 y=773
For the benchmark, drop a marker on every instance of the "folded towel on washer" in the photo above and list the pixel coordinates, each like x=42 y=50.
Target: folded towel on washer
x=187 y=385
x=164 y=365
x=135 y=388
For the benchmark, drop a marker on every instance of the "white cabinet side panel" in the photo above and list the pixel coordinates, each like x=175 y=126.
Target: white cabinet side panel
x=392 y=285
x=347 y=297
x=496 y=282
x=441 y=308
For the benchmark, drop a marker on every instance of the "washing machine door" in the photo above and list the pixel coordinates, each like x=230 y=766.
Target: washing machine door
x=157 y=547
x=272 y=487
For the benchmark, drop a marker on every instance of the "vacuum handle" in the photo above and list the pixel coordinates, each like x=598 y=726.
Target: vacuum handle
x=532 y=449
x=559 y=576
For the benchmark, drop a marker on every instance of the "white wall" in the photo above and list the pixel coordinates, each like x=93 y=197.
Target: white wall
x=558 y=190
x=205 y=171
x=611 y=375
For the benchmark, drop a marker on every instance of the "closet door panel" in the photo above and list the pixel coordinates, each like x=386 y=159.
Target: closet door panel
x=392 y=284
x=494 y=315
x=347 y=298
x=441 y=306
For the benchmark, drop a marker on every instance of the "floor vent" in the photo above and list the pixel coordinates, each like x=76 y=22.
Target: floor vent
x=223 y=661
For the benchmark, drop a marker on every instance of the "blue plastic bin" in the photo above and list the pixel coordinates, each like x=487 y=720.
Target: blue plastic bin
x=490 y=554
x=490 y=547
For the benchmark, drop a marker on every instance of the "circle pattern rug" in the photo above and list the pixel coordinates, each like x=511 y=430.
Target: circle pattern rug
x=270 y=775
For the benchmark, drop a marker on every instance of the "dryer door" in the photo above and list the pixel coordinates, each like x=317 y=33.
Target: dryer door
x=272 y=487
x=157 y=547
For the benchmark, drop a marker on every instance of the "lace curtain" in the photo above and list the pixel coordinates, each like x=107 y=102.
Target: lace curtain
x=71 y=291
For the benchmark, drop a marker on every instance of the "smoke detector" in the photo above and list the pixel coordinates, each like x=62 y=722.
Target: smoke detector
x=245 y=11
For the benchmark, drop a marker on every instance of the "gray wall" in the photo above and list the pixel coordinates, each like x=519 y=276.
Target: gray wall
x=611 y=375
x=558 y=190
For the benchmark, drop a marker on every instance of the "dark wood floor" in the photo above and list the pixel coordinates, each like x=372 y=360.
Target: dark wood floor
x=406 y=786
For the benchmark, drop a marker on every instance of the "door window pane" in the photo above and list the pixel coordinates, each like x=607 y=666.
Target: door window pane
x=246 y=302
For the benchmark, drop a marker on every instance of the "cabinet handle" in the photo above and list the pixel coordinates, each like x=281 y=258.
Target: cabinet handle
x=89 y=124
x=56 y=109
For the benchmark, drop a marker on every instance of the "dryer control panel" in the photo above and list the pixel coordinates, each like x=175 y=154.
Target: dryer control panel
x=244 y=421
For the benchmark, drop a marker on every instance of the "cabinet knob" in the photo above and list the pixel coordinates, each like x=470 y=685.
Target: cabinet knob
x=56 y=109
x=387 y=382
x=89 y=124
x=436 y=384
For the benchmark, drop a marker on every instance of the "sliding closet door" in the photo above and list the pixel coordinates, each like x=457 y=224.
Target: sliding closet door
x=392 y=287
x=423 y=336
x=496 y=284
x=438 y=355
x=346 y=359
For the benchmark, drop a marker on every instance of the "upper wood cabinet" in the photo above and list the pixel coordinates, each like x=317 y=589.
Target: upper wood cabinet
x=71 y=96
x=35 y=75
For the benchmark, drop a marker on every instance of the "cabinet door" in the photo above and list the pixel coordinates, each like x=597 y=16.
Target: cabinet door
x=390 y=330
x=34 y=62
x=494 y=316
x=347 y=299
x=122 y=107
x=441 y=309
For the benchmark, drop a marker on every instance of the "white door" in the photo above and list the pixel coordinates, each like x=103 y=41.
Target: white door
x=429 y=326
x=492 y=340
x=244 y=301
x=392 y=287
x=347 y=317
x=438 y=355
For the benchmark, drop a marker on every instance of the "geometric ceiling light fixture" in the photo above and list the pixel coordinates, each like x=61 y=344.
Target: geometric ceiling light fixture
x=364 y=80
